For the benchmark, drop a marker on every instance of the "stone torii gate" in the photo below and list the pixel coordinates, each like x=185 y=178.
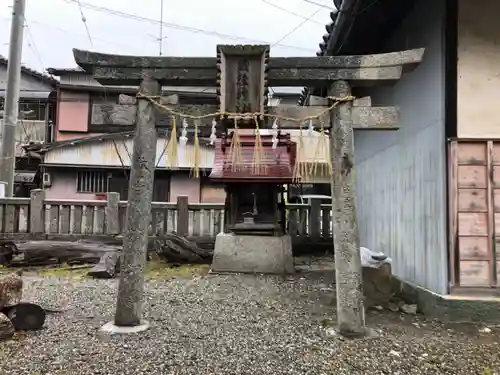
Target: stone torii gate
x=242 y=76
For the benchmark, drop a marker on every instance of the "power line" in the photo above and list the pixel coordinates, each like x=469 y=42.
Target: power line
x=66 y=31
x=176 y=26
x=84 y=20
x=32 y=44
x=290 y=12
x=296 y=28
x=320 y=5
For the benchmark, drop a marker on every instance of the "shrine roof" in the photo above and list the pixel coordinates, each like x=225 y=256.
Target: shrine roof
x=362 y=31
x=276 y=164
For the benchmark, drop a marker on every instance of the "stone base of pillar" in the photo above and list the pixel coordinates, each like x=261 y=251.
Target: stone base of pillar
x=111 y=328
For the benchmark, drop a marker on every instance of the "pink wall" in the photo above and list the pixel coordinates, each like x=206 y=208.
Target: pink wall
x=72 y=115
x=183 y=184
x=64 y=187
x=213 y=193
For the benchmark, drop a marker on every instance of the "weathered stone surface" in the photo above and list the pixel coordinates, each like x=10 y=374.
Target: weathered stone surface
x=121 y=114
x=130 y=288
x=408 y=58
x=377 y=285
x=371 y=118
x=113 y=214
x=168 y=77
x=165 y=100
x=11 y=289
x=252 y=254
x=318 y=77
x=87 y=58
x=108 y=266
x=242 y=82
x=276 y=77
x=409 y=309
x=350 y=307
x=363 y=117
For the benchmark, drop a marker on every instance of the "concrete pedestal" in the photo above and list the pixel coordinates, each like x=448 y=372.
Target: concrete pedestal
x=111 y=328
x=252 y=254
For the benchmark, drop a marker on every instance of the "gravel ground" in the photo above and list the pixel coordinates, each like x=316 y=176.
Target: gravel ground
x=234 y=324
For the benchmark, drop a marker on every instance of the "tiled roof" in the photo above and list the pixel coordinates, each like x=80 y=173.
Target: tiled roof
x=31 y=72
x=361 y=29
x=323 y=48
x=276 y=164
x=62 y=71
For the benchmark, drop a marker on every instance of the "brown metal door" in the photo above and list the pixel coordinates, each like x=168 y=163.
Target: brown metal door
x=161 y=190
x=119 y=184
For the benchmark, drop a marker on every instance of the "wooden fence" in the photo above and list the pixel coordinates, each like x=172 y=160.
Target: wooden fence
x=37 y=217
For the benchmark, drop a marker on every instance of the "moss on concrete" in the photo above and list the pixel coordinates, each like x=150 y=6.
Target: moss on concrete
x=447 y=309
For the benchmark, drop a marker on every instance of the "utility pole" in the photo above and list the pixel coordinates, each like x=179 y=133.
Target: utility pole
x=161 y=27
x=11 y=108
x=160 y=36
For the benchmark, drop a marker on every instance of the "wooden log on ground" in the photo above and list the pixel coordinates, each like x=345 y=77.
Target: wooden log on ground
x=11 y=289
x=20 y=263
x=108 y=266
x=177 y=249
x=6 y=327
x=86 y=260
x=26 y=316
x=7 y=251
x=39 y=252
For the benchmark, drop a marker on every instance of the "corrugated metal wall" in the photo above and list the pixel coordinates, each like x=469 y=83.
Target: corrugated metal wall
x=105 y=154
x=401 y=176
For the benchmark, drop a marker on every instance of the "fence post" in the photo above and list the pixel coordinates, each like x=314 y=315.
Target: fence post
x=314 y=219
x=112 y=218
x=37 y=211
x=182 y=215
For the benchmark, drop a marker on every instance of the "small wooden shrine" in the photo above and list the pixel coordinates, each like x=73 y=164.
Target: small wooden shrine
x=254 y=193
x=253 y=166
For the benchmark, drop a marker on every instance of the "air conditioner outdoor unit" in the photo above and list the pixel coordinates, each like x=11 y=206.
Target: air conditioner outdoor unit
x=46 y=180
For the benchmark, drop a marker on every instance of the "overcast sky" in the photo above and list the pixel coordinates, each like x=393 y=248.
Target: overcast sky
x=191 y=27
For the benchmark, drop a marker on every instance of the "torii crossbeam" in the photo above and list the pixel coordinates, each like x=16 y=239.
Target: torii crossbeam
x=368 y=70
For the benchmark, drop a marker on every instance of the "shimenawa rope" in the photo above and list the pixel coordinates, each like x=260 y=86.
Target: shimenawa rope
x=301 y=171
